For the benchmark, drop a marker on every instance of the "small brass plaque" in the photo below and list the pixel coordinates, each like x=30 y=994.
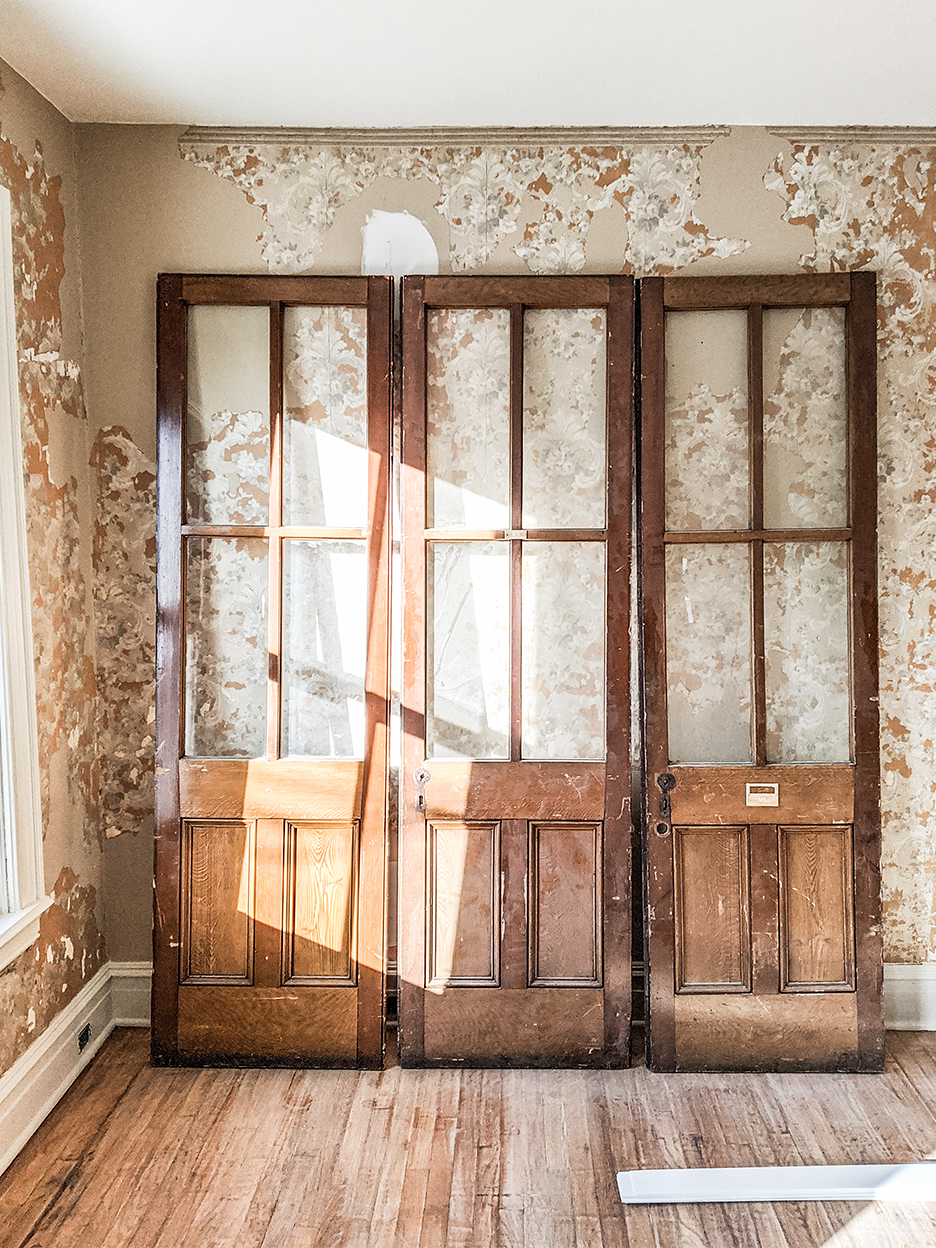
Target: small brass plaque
x=762 y=795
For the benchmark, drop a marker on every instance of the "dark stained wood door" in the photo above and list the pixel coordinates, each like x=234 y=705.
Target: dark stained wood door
x=515 y=793
x=760 y=653
x=272 y=705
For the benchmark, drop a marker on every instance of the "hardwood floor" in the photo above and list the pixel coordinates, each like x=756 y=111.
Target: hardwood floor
x=426 y=1158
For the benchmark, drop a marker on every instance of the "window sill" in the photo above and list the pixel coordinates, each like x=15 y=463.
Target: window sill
x=20 y=929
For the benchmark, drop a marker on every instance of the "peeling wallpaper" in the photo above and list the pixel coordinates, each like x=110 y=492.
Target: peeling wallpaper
x=70 y=948
x=867 y=205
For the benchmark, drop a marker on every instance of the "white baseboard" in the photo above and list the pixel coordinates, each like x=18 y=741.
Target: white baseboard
x=117 y=996
x=131 y=983
x=909 y=997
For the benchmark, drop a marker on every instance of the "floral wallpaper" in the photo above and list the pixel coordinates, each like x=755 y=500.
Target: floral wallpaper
x=873 y=206
x=564 y=403
x=468 y=417
x=540 y=200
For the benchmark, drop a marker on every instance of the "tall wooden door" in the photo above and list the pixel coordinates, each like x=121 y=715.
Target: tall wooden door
x=273 y=553
x=760 y=630
x=515 y=793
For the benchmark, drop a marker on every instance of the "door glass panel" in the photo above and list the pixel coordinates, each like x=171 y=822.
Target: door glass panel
x=564 y=367
x=228 y=415
x=707 y=467
x=468 y=650
x=325 y=419
x=225 y=647
x=563 y=667
x=807 y=659
x=324 y=648
x=805 y=418
x=708 y=654
x=468 y=417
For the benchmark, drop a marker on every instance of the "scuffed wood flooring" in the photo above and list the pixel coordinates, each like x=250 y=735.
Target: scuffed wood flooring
x=424 y=1159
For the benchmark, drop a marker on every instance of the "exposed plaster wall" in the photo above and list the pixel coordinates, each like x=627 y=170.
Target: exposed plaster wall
x=37 y=165
x=749 y=201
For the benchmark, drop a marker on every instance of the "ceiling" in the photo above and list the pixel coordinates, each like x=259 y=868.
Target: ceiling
x=390 y=63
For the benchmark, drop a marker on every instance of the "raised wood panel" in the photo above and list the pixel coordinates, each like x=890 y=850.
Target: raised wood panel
x=717 y=795
x=516 y=790
x=320 y=904
x=217 y=902
x=292 y=1026
x=783 y=1032
x=257 y=788
x=712 y=909
x=515 y=1026
x=565 y=904
x=464 y=910
x=817 y=936
x=773 y=291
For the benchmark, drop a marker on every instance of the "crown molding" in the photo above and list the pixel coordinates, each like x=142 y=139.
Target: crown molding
x=901 y=136
x=451 y=136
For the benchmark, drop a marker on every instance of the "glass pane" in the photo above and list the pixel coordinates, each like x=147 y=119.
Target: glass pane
x=564 y=366
x=707 y=469
x=563 y=627
x=468 y=650
x=807 y=652
x=708 y=654
x=805 y=418
x=225 y=647
x=324 y=648
x=228 y=415
x=468 y=417
x=325 y=426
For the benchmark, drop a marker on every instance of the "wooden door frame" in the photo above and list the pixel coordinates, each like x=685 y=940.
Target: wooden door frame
x=856 y=293
x=616 y=294
x=175 y=294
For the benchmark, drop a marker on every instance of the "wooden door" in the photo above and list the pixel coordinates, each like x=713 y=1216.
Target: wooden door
x=273 y=554
x=515 y=792
x=760 y=645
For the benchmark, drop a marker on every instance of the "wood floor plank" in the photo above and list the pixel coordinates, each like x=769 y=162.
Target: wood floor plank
x=176 y=1158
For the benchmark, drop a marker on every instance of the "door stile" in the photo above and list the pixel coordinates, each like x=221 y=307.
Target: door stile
x=659 y=923
x=861 y=381
x=170 y=392
x=412 y=858
x=617 y=852
x=373 y=843
x=275 y=542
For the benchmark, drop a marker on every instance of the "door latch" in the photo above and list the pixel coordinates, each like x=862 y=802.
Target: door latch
x=422 y=776
x=666 y=784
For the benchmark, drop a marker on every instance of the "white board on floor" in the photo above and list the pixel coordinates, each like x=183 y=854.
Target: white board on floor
x=916 y=1181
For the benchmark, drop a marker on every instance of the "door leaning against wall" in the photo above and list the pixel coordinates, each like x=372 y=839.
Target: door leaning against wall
x=272 y=702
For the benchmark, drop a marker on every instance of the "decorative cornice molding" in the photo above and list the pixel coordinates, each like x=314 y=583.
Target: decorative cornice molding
x=452 y=136
x=900 y=136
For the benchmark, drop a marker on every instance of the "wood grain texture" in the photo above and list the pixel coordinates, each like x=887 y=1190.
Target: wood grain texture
x=232 y=788
x=509 y=790
x=552 y=1027
x=238 y=288
x=771 y=291
x=320 y=904
x=565 y=891
x=806 y=794
x=817 y=929
x=713 y=923
x=464 y=905
x=163 y=1158
x=532 y=292
x=218 y=863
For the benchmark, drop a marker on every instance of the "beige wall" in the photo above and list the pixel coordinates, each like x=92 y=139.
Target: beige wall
x=745 y=201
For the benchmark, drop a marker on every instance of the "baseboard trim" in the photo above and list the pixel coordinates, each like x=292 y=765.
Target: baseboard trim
x=117 y=996
x=909 y=997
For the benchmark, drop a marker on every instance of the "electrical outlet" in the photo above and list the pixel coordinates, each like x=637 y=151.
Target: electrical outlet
x=84 y=1036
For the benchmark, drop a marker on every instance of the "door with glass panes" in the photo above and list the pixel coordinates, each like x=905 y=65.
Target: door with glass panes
x=515 y=791
x=760 y=660
x=273 y=552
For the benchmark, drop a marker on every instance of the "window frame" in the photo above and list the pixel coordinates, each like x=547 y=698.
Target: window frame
x=22 y=893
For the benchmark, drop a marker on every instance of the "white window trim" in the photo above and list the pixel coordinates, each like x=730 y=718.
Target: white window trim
x=20 y=808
